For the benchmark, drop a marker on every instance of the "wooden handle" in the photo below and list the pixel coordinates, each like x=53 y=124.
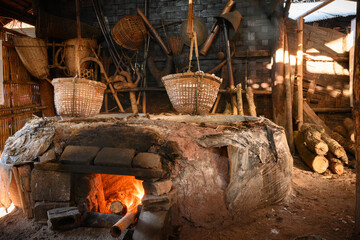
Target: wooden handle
x=153 y=32
x=190 y=25
x=215 y=29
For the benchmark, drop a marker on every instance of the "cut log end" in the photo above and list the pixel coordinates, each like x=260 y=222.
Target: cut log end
x=320 y=164
x=321 y=148
x=117 y=207
x=317 y=163
x=336 y=168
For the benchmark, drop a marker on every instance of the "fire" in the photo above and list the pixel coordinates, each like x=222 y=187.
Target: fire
x=125 y=189
x=4 y=212
x=134 y=199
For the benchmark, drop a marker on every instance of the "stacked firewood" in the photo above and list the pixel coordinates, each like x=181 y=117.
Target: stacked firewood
x=320 y=150
x=345 y=135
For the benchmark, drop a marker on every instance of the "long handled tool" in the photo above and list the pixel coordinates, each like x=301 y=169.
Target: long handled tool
x=229 y=67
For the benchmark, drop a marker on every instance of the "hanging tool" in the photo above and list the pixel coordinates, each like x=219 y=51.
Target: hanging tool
x=229 y=67
x=153 y=32
x=215 y=29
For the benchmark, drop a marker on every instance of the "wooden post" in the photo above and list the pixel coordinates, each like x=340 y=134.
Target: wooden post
x=47 y=98
x=300 y=72
x=278 y=92
x=251 y=102
x=289 y=98
x=356 y=113
x=239 y=100
x=77 y=3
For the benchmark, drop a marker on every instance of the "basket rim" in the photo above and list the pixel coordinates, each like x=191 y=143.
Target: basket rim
x=78 y=80
x=83 y=42
x=20 y=40
x=191 y=74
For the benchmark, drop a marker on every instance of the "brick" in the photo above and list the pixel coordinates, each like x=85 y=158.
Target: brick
x=117 y=157
x=164 y=206
x=79 y=154
x=147 y=160
x=64 y=218
x=166 y=198
x=157 y=188
x=48 y=156
x=152 y=226
x=50 y=186
x=41 y=208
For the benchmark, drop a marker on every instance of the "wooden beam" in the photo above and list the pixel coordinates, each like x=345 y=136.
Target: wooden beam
x=11 y=31
x=137 y=172
x=332 y=110
x=253 y=53
x=8 y=11
x=287 y=7
x=357 y=119
x=318 y=7
x=159 y=89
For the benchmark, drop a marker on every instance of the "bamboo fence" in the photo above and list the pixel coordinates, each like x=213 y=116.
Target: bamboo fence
x=21 y=95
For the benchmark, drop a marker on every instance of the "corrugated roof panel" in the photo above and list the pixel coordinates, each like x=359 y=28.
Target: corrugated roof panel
x=338 y=8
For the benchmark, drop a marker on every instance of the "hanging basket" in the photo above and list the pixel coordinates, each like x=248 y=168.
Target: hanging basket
x=85 y=45
x=129 y=32
x=33 y=54
x=192 y=92
x=78 y=97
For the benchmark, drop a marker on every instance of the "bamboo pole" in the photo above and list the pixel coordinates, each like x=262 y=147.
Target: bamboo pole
x=216 y=104
x=77 y=3
x=118 y=228
x=300 y=74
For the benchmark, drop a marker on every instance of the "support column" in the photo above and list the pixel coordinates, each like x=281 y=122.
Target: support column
x=300 y=72
x=356 y=113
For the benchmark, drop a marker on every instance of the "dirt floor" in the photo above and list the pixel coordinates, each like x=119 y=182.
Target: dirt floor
x=320 y=205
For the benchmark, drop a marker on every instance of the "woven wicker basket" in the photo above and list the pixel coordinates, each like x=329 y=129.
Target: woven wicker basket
x=78 y=97
x=84 y=51
x=129 y=32
x=181 y=89
x=33 y=54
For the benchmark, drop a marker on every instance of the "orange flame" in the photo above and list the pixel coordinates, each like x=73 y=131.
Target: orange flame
x=134 y=199
x=4 y=212
x=126 y=189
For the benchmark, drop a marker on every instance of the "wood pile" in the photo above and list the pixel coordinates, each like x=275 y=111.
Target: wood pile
x=345 y=135
x=320 y=150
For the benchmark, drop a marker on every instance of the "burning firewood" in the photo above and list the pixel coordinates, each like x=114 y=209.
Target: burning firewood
x=317 y=163
x=117 y=207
